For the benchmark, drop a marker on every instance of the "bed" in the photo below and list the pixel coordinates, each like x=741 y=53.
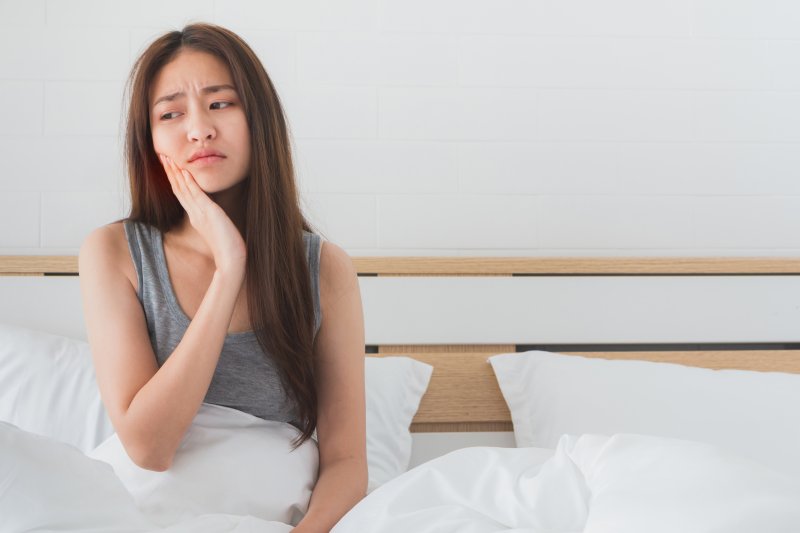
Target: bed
x=524 y=394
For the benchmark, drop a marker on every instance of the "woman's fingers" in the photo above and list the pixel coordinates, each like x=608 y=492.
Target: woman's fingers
x=186 y=180
x=176 y=179
x=169 y=173
x=185 y=187
x=190 y=184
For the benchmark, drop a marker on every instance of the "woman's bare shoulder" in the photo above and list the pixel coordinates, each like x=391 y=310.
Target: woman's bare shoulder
x=337 y=272
x=110 y=242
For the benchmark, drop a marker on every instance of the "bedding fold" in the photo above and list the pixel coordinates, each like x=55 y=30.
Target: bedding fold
x=593 y=484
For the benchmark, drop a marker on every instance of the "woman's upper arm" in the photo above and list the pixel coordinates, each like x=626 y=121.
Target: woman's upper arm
x=339 y=354
x=115 y=325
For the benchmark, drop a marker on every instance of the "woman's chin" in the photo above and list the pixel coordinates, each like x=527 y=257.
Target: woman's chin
x=215 y=189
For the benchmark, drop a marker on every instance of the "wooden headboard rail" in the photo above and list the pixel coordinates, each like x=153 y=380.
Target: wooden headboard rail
x=493 y=266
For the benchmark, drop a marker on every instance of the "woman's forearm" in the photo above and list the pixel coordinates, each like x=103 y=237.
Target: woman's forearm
x=340 y=487
x=165 y=406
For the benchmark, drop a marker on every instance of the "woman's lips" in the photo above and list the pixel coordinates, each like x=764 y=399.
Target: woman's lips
x=208 y=160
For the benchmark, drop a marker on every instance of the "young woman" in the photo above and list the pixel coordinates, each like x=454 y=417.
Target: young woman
x=214 y=289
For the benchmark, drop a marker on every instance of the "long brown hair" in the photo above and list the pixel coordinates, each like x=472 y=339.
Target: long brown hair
x=277 y=276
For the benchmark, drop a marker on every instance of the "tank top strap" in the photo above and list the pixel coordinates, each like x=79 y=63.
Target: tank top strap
x=140 y=244
x=313 y=252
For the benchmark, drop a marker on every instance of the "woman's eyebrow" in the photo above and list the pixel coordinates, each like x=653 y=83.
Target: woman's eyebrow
x=204 y=90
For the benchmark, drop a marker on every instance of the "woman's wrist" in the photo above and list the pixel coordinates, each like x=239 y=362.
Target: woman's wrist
x=231 y=275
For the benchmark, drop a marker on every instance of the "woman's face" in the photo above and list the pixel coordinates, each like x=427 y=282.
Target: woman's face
x=202 y=115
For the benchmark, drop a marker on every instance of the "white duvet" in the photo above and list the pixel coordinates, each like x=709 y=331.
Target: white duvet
x=591 y=484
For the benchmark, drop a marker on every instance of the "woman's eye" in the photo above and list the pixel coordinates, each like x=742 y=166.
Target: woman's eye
x=165 y=115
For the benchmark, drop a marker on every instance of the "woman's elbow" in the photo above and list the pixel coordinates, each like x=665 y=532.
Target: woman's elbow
x=153 y=462
x=149 y=458
x=154 y=465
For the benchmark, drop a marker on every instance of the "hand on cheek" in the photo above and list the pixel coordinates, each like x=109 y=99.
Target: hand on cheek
x=183 y=184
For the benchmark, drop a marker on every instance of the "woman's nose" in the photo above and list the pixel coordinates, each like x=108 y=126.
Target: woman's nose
x=201 y=127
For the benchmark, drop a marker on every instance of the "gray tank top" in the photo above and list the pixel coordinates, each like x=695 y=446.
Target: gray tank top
x=246 y=378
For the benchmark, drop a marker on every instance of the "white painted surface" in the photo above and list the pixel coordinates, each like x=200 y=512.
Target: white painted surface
x=456 y=127
x=51 y=304
x=581 y=309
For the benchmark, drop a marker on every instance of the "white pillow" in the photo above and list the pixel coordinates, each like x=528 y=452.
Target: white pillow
x=752 y=413
x=49 y=485
x=394 y=387
x=48 y=387
x=229 y=462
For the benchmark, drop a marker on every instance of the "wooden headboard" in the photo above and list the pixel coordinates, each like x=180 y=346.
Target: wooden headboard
x=454 y=312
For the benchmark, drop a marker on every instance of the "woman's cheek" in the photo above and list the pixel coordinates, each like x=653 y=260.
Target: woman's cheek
x=159 y=140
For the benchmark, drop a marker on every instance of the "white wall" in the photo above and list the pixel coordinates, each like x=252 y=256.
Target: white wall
x=445 y=127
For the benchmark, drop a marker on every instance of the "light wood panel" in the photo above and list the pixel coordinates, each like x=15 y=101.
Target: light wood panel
x=758 y=360
x=493 y=265
x=38 y=264
x=389 y=349
x=569 y=265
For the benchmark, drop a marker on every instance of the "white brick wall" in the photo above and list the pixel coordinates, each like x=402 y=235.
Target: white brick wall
x=445 y=127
